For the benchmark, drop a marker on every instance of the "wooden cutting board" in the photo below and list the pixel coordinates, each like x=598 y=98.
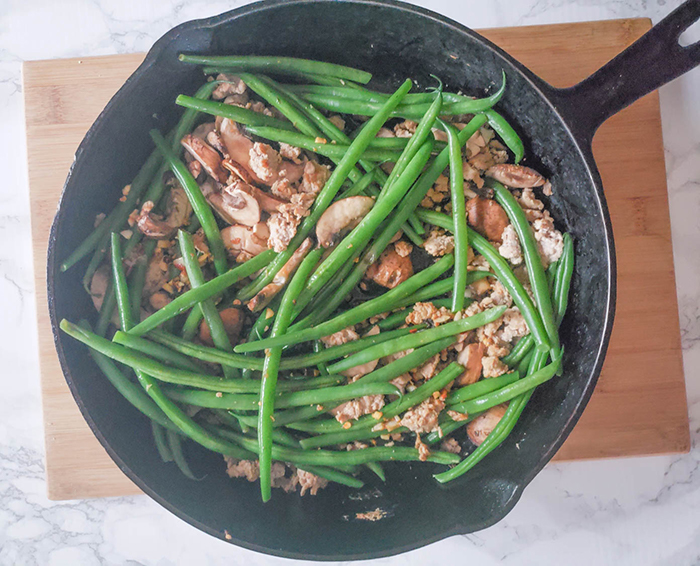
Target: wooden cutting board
x=639 y=406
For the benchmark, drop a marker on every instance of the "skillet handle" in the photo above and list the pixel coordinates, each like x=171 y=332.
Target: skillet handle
x=653 y=60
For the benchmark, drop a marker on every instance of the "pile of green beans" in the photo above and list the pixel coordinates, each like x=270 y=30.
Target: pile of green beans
x=272 y=396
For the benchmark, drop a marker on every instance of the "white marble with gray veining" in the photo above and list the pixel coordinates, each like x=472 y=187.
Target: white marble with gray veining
x=639 y=511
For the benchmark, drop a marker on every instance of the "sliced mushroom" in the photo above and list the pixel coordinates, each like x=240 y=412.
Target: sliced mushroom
x=481 y=426
x=267 y=202
x=233 y=322
x=156 y=274
x=391 y=269
x=237 y=145
x=243 y=242
x=98 y=286
x=516 y=176
x=470 y=358
x=178 y=211
x=206 y=155
x=240 y=205
x=267 y=293
x=159 y=300
x=487 y=217
x=204 y=130
x=238 y=170
x=341 y=217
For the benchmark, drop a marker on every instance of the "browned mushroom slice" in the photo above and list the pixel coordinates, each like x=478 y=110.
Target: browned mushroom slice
x=233 y=322
x=267 y=202
x=237 y=145
x=238 y=170
x=244 y=243
x=267 y=293
x=515 y=176
x=487 y=217
x=240 y=205
x=341 y=217
x=206 y=155
x=204 y=130
x=178 y=212
x=470 y=358
x=98 y=286
x=481 y=426
x=390 y=269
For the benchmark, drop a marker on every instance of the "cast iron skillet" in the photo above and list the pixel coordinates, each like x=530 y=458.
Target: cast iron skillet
x=393 y=41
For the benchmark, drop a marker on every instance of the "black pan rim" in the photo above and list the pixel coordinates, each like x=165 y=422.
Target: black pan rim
x=548 y=94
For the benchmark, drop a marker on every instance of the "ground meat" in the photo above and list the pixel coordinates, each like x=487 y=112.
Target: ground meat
x=281 y=479
x=283 y=189
x=402 y=248
x=314 y=178
x=283 y=224
x=450 y=445
x=265 y=162
x=437 y=193
x=456 y=416
x=428 y=312
x=290 y=152
x=499 y=295
x=424 y=417
x=341 y=337
x=231 y=85
x=423 y=450
x=309 y=482
x=248 y=469
x=351 y=410
x=510 y=248
x=513 y=326
x=549 y=240
x=478 y=262
x=439 y=243
x=493 y=367
x=405 y=129
x=533 y=207
x=471 y=174
x=385 y=133
x=390 y=269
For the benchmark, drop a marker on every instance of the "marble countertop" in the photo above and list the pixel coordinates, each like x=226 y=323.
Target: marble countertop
x=638 y=511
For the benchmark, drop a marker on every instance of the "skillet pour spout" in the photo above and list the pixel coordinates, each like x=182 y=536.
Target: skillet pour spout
x=392 y=40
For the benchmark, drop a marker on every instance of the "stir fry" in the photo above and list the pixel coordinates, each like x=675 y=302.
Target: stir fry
x=312 y=278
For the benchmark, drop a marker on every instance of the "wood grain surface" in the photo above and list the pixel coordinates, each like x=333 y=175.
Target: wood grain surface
x=643 y=373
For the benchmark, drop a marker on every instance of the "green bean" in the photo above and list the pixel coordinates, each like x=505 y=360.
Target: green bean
x=338 y=435
x=422 y=131
x=188 y=427
x=284 y=65
x=175 y=444
x=156 y=351
x=162 y=372
x=309 y=143
x=406 y=110
x=509 y=136
x=417 y=339
x=311 y=77
x=499 y=432
x=296 y=415
x=563 y=278
x=234 y=113
x=503 y=273
x=394 y=320
x=137 y=279
x=161 y=442
x=211 y=314
x=341 y=91
x=406 y=207
x=329 y=191
x=334 y=458
x=210 y=289
x=191 y=326
x=509 y=392
x=360 y=186
x=459 y=217
x=481 y=387
x=361 y=234
x=199 y=203
x=376 y=469
x=129 y=390
x=538 y=279
x=441 y=287
x=119 y=280
x=446 y=428
x=519 y=351
x=109 y=303
x=283 y=399
x=270 y=371
x=318 y=349
x=259 y=329
x=361 y=312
